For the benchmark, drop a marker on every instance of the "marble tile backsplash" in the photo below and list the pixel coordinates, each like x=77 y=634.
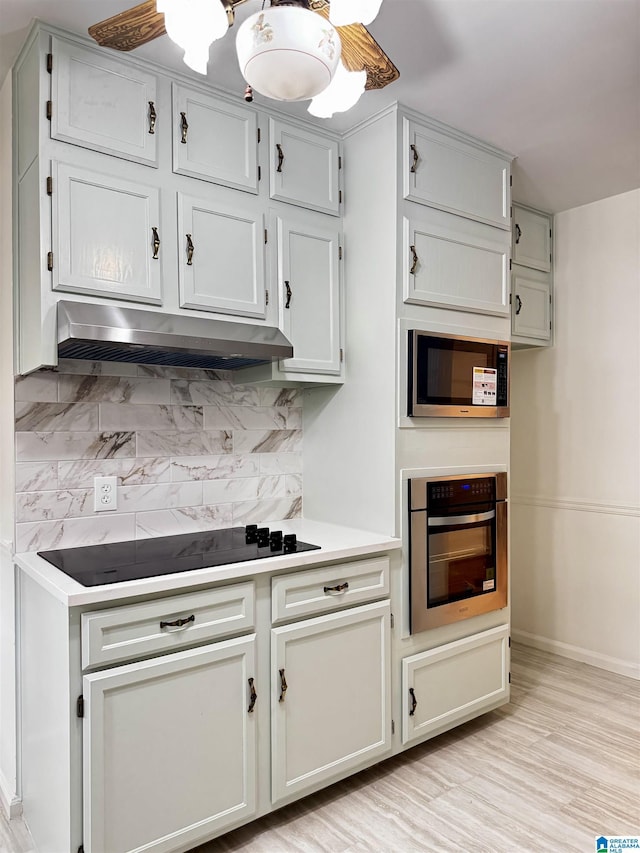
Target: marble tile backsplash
x=192 y=450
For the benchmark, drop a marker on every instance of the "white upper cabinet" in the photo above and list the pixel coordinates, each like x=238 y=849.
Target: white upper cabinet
x=531 y=236
x=531 y=305
x=106 y=235
x=303 y=168
x=214 y=139
x=454 y=263
x=221 y=257
x=443 y=171
x=308 y=275
x=103 y=104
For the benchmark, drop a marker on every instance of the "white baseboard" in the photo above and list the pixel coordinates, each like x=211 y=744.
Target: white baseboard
x=565 y=650
x=10 y=803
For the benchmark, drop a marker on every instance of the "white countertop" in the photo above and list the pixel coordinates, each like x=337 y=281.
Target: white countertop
x=336 y=543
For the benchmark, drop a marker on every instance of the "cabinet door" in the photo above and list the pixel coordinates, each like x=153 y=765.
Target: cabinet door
x=455 y=682
x=221 y=257
x=335 y=714
x=530 y=304
x=454 y=175
x=169 y=752
x=103 y=235
x=453 y=263
x=531 y=236
x=214 y=140
x=101 y=103
x=303 y=168
x=308 y=275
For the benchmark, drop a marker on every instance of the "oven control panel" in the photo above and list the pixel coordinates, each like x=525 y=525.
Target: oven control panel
x=441 y=493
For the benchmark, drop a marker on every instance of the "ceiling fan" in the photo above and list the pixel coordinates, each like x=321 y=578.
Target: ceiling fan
x=360 y=51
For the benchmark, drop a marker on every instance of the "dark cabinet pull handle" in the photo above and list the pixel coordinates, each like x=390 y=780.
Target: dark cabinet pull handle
x=184 y=127
x=341 y=587
x=280 y=157
x=518 y=305
x=253 y=697
x=518 y=233
x=283 y=685
x=287 y=304
x=152 y=117
x=414 y=702
x=414 y=265
x=189 y=250
x=156 y=243
x=178 y=623
x=414 y=165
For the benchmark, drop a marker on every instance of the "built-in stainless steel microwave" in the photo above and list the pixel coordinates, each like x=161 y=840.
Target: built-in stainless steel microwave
x=450 y=376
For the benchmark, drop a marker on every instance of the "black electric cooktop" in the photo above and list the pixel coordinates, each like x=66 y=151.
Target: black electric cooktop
x=115 y=562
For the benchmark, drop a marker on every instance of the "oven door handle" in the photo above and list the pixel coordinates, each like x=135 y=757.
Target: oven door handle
x=448 y=520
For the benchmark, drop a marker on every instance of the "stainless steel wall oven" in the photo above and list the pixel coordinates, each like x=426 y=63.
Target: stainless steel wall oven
x=457 y=548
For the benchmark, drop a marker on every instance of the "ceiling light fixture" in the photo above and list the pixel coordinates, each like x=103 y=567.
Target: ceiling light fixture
x=193 y=25
x=286 y=51
x=345 y=12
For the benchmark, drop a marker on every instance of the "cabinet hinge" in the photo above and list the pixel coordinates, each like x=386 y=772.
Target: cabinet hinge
x=266 y=297
x=340 y=253
x=49 y=261
x=341 y=355
x=49 y=63
x=49 y=109
x=266 y=236
x=49 y=185
x=393 y=621
x=509 y=642
x=511 y=212
x=259 y=173
x=509 y=678
x=339 y=196
x=259 y=135
x=509 y=263
x=510 y=298
x=510 y=180
x=393 y=727
x=339 y=162
x=80 y=706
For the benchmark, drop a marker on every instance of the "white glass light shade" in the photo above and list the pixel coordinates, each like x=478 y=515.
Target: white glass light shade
x=287 y=53
x=341 y=94
x=193 y=25
x=345 y=12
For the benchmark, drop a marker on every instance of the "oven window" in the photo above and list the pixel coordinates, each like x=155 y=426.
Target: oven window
x=461 y=563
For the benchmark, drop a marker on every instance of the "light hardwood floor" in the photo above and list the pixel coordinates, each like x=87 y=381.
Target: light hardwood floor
x=554 y=769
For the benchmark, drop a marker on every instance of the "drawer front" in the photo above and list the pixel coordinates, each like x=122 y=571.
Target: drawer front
x=138 y=630
x=327 y=589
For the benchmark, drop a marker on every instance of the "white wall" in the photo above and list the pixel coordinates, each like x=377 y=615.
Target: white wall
x=575 y=448
x=8 y=781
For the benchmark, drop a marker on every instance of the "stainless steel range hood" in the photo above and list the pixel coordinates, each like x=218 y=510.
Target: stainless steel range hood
x=110 y=333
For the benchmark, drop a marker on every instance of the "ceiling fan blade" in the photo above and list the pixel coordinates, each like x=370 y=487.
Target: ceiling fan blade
x=131 y=28
x=361 y=51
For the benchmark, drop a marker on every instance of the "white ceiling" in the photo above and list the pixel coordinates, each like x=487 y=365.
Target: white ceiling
x=555 y=82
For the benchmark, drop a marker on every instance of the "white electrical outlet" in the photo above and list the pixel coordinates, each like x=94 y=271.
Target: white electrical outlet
x=105 y=493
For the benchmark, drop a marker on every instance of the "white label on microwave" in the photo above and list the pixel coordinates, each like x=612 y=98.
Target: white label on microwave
x=487 y=586
x=485 y=386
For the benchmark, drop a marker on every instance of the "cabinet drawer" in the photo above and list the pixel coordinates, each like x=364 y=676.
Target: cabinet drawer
x=454 y=682
x=330 y=588
x=138 y=630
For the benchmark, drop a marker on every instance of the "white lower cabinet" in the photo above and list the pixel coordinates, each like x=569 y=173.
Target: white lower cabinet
x=454 y=682
x=169 y=749
x=331 y=697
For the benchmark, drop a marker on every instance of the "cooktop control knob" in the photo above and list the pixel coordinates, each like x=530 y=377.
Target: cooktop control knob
x=251 y=534
x=262 y=537
x=290 y=542
x=275 y=540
